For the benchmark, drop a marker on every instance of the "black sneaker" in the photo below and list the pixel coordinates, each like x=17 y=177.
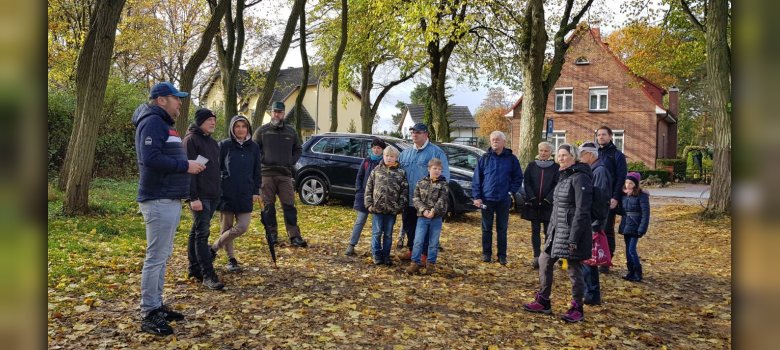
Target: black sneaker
x=502 y=260
x=156 y=324
x=486 y=258
x=212 y=282
x=350 y=251
x=232 y=265
x=171 y=315
x=298 y=242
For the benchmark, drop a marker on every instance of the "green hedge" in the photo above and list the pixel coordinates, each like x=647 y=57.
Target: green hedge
x=678 y=167
x=664 y=175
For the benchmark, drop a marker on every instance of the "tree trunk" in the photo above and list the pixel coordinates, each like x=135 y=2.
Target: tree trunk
x=91 y=80
x=304 y=80
x=270 y=79
x=718 y=75
x=193 y=64
x=230 y=58
x=366 y=83
x=334 y=94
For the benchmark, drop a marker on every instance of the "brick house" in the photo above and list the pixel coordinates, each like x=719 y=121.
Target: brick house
x=595 y=88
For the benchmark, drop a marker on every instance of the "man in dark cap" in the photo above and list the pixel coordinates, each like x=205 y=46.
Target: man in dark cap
x=415 y=162
x=280 y=149
x=204 y=192
x=162 y=184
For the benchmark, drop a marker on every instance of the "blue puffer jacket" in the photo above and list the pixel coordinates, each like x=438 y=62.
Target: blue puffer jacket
x=636 y=215
x=415 y=163
x=162 y=159
x=360 y=182
x=496 y=175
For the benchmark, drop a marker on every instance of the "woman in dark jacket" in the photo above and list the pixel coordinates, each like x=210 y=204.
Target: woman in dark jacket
x=633 y=225
x=375 y=156
x=539 y=180
x=240 y=167
x=569 y=235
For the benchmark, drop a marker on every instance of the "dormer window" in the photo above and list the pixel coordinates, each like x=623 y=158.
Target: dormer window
x=582 y=60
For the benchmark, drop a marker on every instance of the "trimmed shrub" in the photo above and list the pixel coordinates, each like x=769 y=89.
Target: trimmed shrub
x=678 y=167
x=637 y=166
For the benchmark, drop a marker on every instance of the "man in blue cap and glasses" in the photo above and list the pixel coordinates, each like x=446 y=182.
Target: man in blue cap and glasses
x=163 y=183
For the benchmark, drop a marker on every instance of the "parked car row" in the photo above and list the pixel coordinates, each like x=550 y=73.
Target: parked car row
x=329 y=165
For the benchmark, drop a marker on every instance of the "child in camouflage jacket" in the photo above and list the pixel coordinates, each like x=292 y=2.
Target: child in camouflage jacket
x=387 y=193
x=430 y=199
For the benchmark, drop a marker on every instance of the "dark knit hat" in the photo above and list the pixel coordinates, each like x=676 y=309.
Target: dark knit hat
x=202 y=114
x=634 y=176
x=378 y=142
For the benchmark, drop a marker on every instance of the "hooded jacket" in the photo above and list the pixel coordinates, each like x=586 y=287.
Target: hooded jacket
x=162 y=160
x=280 y=148
x=570 y=221
x=240 y=169
x=615 y=162
x=636 y=215
x=360 y=182
x=204 y=185
x=387 y=190
x=431 y=195
x=539 y=181
x=496 y=175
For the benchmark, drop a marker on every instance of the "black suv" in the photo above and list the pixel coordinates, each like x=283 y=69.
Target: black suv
x=330 y=161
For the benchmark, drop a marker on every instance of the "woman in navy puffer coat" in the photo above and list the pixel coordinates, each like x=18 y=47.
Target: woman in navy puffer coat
x=240 y=168
x=633 y=225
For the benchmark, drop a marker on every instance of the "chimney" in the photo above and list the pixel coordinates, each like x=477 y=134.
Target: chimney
x=597 y=32
x=674 y=101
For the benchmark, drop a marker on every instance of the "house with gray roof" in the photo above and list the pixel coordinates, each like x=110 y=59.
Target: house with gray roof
x=463 y=126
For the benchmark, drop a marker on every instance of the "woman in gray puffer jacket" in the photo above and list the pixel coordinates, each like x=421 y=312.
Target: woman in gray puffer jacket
x=569 y=234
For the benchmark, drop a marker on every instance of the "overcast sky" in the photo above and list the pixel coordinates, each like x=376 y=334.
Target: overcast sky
x=462 y=94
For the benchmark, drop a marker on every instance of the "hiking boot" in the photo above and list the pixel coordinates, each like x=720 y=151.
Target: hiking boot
x=378 y=261
x=212 y=282
x=637 y=273
x=430 y=268
x=407 y=256
x=486 y=258
x=156 y=324
x=535 y=263
x=630 y=275
x=171 y=315
x=350 y=251
x=298 y=242
x=196 y=275
x=539 y=305
x=502 y=260
x=575 y=313
x=413 y=268
x=232 y=265
x=604 y=269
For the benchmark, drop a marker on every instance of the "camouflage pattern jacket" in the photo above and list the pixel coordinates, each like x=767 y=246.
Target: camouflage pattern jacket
x=387 y=191
x=431 y=195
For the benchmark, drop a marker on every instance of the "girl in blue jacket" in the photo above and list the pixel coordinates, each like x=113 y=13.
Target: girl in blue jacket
x=374 y=157
x=636 y=219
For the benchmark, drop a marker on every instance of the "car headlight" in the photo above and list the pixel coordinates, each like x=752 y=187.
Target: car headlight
x=465 y=184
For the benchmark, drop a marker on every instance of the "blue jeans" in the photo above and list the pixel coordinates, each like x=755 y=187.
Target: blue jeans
x=499 y=209
x=632 y=258
x=360 y=221
x=198 y=247
x=592 y=285
x=427 y=231
x=161 y=217
x=382 y=235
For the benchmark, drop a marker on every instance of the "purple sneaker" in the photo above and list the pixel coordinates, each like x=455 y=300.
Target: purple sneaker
x=575 y=313
x=539 y=305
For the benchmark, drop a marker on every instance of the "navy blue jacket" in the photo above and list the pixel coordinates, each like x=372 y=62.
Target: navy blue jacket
x=204 y=185
x=636 y=215
x=360 y=182
x=602 y=181
x=240 y=170
x=496 y=175
x=615 y=162
x=162 y=160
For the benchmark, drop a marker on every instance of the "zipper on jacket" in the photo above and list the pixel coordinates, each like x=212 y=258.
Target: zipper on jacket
x=540 y=187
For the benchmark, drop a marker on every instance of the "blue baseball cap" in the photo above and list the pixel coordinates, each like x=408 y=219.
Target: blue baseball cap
x=165 y=89
x=419 y=127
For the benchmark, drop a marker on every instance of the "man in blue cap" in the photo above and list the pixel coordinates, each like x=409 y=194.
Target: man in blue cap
x=415 y=162
x=280 y=149
x=164 y=181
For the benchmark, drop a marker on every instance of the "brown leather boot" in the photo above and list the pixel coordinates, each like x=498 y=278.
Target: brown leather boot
x=413 y=268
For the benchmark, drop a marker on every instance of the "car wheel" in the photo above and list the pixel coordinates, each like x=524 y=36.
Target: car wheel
x=313 y=190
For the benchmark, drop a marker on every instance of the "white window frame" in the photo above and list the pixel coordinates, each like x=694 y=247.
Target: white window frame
x=562 y=93
x=557 y=138
x=602 y=95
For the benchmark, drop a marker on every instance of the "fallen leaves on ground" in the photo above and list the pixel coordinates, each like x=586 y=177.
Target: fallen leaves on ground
x=318 y=298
